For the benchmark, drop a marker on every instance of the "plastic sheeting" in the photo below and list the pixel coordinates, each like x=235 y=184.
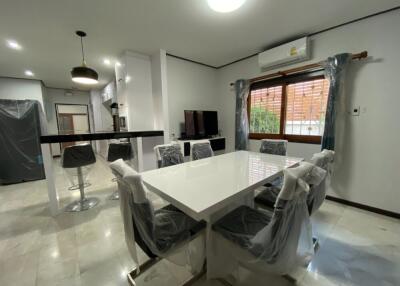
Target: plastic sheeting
x=241 y=119
x=168 y=155
x=166 y=232
x=317 y=192
x=275 y=243
x=335 y=70
x=274 y=147
x=201 y=150
x=22 y=122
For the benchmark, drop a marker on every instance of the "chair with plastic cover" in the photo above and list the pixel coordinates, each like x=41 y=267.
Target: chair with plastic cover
x=120 y=150
x=163 y=233
x=201 y=149
x=77 y=160
x=270 y=243
x=317 y=193
x=267 y=198
x=168 y=155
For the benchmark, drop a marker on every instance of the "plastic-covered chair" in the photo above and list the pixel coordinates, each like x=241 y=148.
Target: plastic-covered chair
x=317 y=193
x=274 y=243
x=79 y=158
x=274 y=146
x=120 y=150
x=168 y=155
x=268 y=197
x=201 y=149
x=164 y=233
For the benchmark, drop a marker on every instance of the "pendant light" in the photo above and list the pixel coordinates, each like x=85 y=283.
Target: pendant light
x=83 y=74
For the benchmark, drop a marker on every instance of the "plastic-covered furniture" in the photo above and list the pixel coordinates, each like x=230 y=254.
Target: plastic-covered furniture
x=164 y=233
x=265 y=242
x=317 y=193
x=201 y=149
x=77 y=160
x=120 y=150
x=267 y=198
x=168 y=155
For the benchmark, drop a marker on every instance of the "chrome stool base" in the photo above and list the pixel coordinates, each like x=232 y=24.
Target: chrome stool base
x=115 y=196
x=76 y=186
x=82 y=205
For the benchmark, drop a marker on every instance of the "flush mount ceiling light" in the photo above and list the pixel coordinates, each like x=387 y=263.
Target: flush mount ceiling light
x=29 y=73
x=225 y=6
x=83 y=74
x=13 y=45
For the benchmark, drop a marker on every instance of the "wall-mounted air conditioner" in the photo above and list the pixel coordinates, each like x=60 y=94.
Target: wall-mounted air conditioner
x=289 y=53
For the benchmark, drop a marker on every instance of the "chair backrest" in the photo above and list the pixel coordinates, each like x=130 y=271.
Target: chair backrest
x=121 y=150
x=136 y=210
x=317 y=193
x=168 y=155
x=201 y=149
x=288 y=235
x=77 y=156
x=274 y=146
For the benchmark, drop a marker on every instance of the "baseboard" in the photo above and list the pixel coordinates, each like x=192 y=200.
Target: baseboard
x=364 y=207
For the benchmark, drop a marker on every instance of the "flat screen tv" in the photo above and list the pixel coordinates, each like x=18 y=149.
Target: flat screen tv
x=201 y=123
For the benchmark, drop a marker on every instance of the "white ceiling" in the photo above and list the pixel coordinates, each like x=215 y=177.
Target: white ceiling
x=187 y=28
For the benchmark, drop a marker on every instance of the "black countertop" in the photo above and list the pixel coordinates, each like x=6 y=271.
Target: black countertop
x=57 y=138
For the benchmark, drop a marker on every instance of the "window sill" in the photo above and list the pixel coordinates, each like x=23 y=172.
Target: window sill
x=291 y=138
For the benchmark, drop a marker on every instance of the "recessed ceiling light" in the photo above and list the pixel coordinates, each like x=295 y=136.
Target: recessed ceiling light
x=14 y=45
x=225 y=6
x=118 y=64
x=29 y=73
x=107 y=62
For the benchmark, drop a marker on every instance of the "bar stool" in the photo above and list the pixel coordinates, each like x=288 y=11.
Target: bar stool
x=120 y=150
x=79 y=157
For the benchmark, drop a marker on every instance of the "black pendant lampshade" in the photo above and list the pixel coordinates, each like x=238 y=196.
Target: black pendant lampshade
x=83 y=74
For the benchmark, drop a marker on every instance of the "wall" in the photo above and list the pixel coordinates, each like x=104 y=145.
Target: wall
x=19 y=89
x=55 y=95
x=366 y=168
x=190 y=86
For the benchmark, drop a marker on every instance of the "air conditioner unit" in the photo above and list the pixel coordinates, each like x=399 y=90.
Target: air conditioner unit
x=293 y=52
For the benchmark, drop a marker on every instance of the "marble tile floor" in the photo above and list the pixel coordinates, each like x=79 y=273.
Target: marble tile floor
x=88 y=248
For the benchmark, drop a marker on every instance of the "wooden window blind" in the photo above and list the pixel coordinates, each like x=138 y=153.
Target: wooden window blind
x=292 y=109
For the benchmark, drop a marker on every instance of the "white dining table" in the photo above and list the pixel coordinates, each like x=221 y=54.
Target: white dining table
x=209 y=188
x=203 y=187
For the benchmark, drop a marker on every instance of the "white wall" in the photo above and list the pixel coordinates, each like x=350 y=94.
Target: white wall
x=139 y=94
x=12 y=88
x=366 y=169
x=190 y=86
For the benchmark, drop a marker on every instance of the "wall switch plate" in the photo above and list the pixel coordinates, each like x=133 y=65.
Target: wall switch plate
x=355 y=111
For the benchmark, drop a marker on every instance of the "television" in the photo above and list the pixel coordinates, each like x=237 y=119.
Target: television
x=200 y=124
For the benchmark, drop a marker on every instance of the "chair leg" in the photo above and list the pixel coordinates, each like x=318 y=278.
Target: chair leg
x=149 y=263
x=84 y=203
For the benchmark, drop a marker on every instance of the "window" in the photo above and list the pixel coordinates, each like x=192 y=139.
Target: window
x=291 y=108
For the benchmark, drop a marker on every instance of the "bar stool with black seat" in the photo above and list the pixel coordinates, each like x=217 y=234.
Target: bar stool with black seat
x=80 y=158
x=120 y=150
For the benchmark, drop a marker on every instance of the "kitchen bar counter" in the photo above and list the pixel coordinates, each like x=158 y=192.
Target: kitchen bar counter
x=58 y=138
x=142 y=142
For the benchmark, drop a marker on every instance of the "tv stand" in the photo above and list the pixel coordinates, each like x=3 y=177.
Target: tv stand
x=217 y=144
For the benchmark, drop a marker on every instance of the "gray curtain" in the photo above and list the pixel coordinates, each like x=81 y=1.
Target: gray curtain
x=242 y=122
x=335 y=70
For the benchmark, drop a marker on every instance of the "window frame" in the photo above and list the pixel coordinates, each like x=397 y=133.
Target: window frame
x=284 y=82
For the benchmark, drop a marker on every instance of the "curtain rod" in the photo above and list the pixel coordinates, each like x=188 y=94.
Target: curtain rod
x=308 y=67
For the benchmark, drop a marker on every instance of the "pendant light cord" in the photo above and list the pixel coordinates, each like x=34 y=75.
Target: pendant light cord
x=83 y=52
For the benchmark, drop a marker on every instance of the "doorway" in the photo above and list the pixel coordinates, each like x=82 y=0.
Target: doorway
x=72 y=119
